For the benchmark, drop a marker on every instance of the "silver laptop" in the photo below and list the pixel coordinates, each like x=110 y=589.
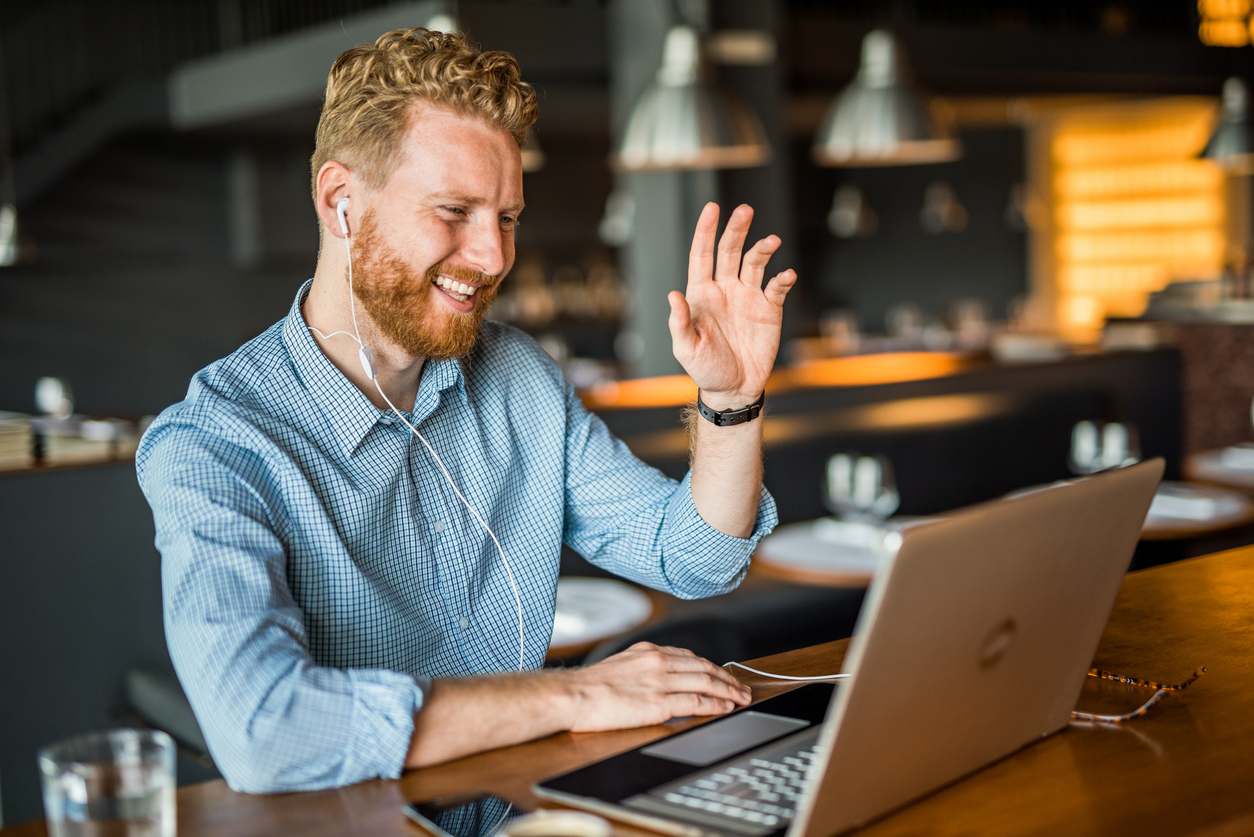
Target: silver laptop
x=973 y=642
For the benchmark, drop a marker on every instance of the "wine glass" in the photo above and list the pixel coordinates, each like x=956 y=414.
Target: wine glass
x=1100 y=446
x=860 y=488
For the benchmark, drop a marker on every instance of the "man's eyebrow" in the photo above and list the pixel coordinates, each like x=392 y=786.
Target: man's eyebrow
x=473 y=201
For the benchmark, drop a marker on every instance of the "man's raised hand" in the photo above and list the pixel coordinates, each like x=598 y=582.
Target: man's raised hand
x=726 y=327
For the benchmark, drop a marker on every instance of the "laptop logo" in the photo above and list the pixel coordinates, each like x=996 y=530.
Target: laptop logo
x=998 y=641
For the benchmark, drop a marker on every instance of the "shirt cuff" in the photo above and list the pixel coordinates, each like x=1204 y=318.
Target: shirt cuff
x=384 y=704
x=710 y=562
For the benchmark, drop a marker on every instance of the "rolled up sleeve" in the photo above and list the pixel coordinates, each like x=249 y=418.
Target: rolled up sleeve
x=631 y=519
x=274 y=721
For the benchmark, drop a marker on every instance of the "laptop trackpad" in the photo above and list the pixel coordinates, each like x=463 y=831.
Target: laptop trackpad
x=719 y=739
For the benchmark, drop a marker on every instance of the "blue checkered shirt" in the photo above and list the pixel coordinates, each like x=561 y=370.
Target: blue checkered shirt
x=318 y=570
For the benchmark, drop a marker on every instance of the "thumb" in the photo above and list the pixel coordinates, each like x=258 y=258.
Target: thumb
x=680 y=322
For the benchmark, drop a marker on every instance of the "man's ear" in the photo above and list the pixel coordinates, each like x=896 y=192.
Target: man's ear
x=333 y=183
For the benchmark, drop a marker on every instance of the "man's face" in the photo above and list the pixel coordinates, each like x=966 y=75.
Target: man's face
x=436 y=240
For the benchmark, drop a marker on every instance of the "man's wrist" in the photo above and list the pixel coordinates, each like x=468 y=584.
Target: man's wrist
x=568 y=697
x=725 y=401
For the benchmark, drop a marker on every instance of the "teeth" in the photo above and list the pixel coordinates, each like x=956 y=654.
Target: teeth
x=455 y=287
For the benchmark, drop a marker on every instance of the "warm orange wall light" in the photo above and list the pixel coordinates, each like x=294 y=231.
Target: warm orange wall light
x=1224 y=23
x=1128 y=207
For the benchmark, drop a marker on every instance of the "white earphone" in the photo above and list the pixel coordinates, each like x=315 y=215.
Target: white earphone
x=366 y=357
x=341 y=212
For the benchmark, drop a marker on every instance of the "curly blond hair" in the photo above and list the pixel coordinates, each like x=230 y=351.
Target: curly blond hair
x=372 y=87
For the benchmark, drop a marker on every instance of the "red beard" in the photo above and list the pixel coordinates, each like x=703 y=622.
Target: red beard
x=401 y=303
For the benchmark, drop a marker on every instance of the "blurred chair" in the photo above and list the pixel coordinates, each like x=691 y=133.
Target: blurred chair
x=713 y=638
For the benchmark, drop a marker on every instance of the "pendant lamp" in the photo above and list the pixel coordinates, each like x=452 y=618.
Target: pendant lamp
x=879 y=120
x=683 y=122
x=1229 y=145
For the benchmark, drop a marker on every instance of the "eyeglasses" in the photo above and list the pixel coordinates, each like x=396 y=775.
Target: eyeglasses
x=1161 y=689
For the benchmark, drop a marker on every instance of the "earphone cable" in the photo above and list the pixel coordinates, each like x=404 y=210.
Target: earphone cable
x=787 y=676
x=352 y=303
x=333 y=334
x=509 y=570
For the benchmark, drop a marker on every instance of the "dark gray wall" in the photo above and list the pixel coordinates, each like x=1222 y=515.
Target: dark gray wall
x=80 y=602
x=901 y=262
x=134 y=289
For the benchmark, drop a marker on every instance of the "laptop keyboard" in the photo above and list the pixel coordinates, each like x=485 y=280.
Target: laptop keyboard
x=756 y=790
x=750 y=796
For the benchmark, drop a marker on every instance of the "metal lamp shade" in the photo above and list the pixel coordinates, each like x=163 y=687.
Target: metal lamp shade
x=878 y=120
x=681 y=122
x=1229 y=146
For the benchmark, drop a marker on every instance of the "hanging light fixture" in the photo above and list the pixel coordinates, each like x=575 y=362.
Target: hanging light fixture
x=683 y=122
x=1229 y=146
x=878 y=120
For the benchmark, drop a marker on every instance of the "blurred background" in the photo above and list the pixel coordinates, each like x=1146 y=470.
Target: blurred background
x=1023 y=231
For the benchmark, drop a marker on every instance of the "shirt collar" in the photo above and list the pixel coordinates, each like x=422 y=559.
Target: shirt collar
x=346 y=409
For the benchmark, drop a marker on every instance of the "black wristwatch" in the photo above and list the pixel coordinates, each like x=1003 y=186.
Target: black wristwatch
x=729 y=417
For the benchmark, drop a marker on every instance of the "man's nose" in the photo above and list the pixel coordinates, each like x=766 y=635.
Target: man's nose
x=483 y=246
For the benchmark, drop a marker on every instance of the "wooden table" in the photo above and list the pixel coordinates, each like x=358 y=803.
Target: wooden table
x=1186 y=768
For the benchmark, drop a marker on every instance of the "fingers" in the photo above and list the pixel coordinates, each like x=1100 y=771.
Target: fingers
x=684 y=670
x=701 y=256
x=754 y=266
x=683 y=706
x=683 y=335
x=777 y=289
x=733 y=240
x=707 y=684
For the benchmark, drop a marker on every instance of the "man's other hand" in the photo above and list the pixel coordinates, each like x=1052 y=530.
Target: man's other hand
x=650 y=684
x=644 y=685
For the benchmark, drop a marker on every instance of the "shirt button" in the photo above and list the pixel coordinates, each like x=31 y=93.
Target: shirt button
x=464 y=623
x=438 y=526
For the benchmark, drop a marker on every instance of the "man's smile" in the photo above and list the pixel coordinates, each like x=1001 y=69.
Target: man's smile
x=459 y=291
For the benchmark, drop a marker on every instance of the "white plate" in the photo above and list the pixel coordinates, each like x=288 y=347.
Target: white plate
x=1181 y=502
x=826 y=545
x=589 y=609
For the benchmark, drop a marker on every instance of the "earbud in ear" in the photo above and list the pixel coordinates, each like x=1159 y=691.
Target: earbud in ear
x=341 y=212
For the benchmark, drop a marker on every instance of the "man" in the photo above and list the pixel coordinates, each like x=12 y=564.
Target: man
x=340 y=598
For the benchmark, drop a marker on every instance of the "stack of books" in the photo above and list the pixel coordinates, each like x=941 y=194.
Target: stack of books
x=75 y=440
x=17 y=441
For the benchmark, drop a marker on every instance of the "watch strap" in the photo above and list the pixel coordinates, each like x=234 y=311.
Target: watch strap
x=727 y=418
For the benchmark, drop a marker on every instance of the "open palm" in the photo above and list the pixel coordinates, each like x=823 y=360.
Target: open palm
x=726 y=327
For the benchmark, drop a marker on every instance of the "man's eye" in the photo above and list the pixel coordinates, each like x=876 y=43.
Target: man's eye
x=508 y=221
x=455 y=210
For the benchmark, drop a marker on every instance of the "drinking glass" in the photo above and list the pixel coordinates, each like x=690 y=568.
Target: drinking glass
x=118 y=782
x=860 y=487
x=1099 y=447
